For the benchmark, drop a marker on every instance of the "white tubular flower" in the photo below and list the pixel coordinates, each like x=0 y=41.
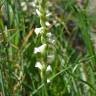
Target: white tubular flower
x=23 y=3
x=39 y=65
x=38 y=12
x=47 y=24
x=48 y=14
x=51 y=40
x=24 y=6
x=32 y=4
x=48 y=80
x=38 y=30
x=40 y=49
x=49 y=34
x=49 y=69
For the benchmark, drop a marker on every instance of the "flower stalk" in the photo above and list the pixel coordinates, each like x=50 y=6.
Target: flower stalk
x=42 y=16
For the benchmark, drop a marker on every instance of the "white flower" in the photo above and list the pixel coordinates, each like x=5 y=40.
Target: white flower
x=23 y=3
x=39 y=65
x=49 y=68
x=40 y=49
x=38 y=30
x=49 y=34
x=51 y=40
x=48 y=13
x=48 y=80
x=24 y=6
x=32 y=4
x=38 y=12
x=47 y=24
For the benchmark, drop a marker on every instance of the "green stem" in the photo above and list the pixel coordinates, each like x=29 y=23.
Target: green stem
x=42 y=9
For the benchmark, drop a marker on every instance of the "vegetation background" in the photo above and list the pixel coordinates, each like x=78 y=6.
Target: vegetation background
x=47 y=48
